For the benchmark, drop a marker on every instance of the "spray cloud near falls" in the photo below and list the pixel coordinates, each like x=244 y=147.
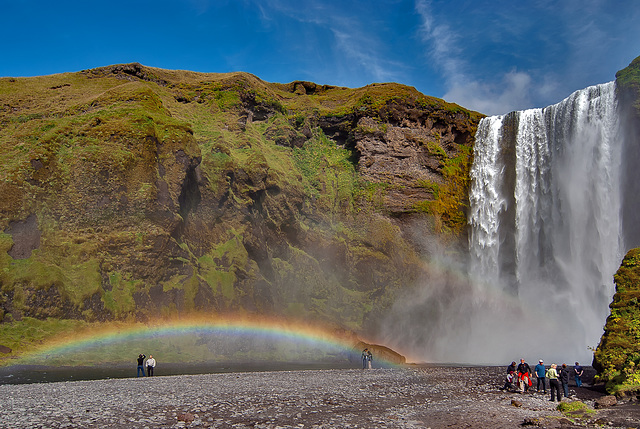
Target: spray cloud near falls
x=545 y=241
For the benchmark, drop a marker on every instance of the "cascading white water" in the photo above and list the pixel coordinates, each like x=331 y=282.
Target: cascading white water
x=545 y=210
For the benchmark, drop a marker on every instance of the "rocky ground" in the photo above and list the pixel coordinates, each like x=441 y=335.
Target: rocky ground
x=417 y=397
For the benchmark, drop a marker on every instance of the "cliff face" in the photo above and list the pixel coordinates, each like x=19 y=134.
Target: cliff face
x=617 y=357
x=129 y=192
x=628 y=87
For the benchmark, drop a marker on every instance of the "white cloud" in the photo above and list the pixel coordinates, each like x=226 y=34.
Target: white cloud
x=508 y=92
x=513 y=92
x=357 y=47
x=353 y=47
x=441 y=38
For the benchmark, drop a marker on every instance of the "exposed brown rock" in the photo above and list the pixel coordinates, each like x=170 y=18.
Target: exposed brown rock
x=186 y=417
x=605 y=401
x=25 y=235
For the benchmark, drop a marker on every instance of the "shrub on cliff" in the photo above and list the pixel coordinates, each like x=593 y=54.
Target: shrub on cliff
x=617 y=357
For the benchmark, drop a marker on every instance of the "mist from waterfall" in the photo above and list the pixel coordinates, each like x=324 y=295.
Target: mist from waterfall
x=545 y=240
x=545 y=217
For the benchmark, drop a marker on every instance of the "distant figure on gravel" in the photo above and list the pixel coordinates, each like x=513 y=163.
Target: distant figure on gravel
x=554 y=384
x=564 y=378
x=369 y=359
x=151 y=363
x=577 y=373
x=140 y=364
x=524 y=376
x=365 y=358
x=540 y=373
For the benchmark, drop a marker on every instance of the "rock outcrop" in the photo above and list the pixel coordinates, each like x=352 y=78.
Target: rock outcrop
x=617 y=357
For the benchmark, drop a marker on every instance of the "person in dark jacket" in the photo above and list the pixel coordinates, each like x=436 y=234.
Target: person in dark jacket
x=578 y=371
x=564 y=379
x=512 y=367
x=524 y=376
x=141 y=358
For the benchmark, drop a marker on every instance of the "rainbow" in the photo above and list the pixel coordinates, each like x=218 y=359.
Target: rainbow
x=192 y=338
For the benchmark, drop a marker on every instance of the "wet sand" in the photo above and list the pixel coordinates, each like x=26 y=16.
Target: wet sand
x=414 y=397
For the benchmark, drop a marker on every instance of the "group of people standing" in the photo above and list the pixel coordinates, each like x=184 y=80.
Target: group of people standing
x=150 y=364
x=519 y=378
x=367 y=358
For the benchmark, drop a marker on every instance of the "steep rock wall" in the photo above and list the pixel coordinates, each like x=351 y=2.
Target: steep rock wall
x=628 y=85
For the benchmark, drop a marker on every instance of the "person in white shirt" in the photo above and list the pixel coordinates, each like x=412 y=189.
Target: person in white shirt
x=151 y=363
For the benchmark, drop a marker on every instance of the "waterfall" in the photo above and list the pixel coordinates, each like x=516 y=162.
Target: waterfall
x=545 y=217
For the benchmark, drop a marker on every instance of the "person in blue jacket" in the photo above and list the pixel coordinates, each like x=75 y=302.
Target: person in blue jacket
x=540 y=373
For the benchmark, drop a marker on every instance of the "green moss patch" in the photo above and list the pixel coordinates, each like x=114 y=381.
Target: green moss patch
x=617 y=357
x=576 y=411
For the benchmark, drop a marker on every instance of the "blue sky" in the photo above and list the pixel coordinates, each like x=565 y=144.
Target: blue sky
x=491 y=56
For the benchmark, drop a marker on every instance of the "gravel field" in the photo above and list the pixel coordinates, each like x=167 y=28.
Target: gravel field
x=421 y=397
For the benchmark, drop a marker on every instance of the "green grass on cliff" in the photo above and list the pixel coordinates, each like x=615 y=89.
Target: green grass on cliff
x=617 y=357
x=329 y=176
x=449 y=202
x=630 y=75
x=628 y=84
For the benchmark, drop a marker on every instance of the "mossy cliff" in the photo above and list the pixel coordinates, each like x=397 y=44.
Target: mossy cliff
x=133 y=193
x=617 y=357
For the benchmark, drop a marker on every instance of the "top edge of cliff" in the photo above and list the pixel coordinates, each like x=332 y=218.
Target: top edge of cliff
x=344 y=96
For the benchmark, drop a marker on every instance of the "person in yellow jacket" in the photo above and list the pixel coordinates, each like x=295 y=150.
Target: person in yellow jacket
x=554 y=383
